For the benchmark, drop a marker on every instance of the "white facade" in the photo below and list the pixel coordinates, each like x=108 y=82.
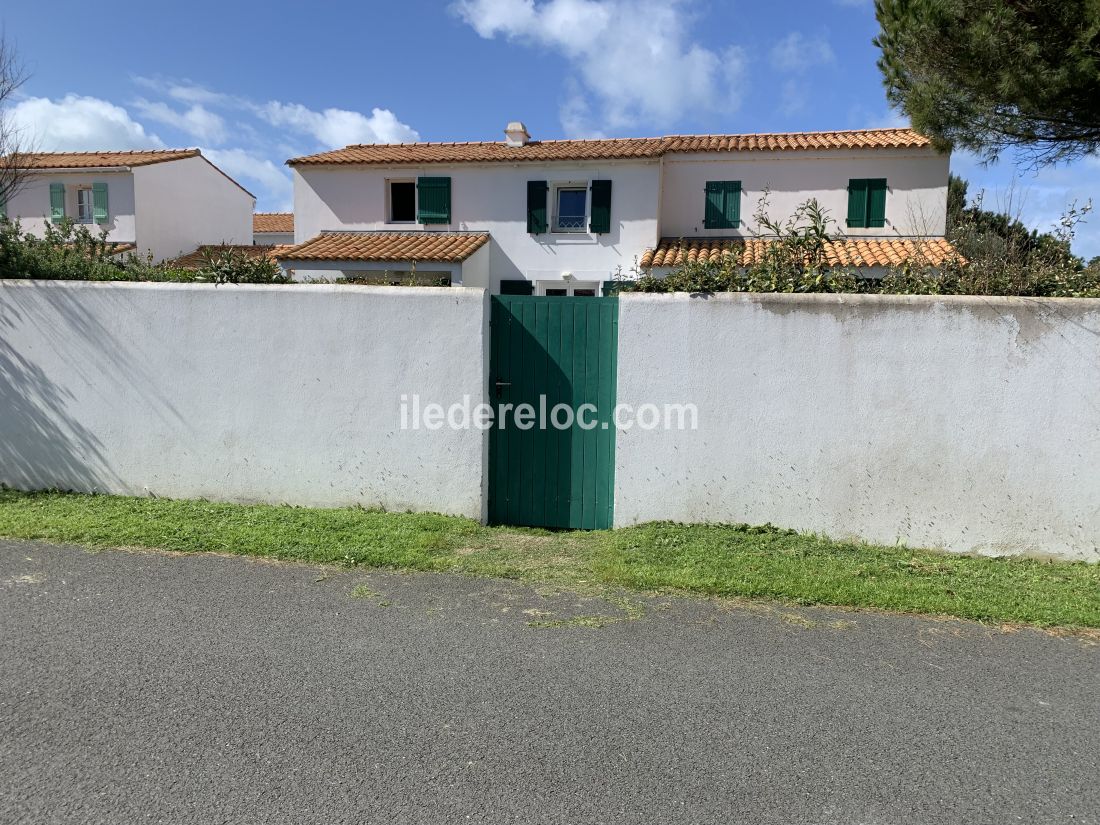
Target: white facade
x=166 y=209
x=184 y=204
x=651 y=198
x=493 y=198
x=916 y=199
x=31 y=204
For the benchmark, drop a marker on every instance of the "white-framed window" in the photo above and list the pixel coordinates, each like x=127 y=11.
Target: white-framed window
x=85 y=205
x=570 y=207
x=401 y=200
x=568 y=289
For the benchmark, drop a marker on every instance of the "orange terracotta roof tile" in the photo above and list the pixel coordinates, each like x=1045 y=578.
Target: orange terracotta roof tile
x=278 y=249
x=273 y=222
x=101 y=160
x=805 y=141
x=858 y=252
x=438 y=247
x=198 y=258
x=610 y=149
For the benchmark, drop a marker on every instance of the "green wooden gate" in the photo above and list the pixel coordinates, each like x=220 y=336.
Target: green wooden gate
x=550 y=351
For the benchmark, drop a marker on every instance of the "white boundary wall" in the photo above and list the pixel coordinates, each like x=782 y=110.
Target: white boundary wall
x=243 y=393
x=971 y=424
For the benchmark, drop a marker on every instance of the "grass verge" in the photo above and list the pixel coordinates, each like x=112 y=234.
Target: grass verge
x=724 y=560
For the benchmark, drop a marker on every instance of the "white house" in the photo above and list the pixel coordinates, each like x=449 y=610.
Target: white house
x=272 y=228
x=562 y=217
x=163 y=202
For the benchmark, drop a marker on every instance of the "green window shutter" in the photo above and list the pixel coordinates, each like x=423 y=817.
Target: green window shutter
x=723 y=204
x=433 y=200
x=876 y=202
x=610 y=288
x=3 y=208
x=857 y=202
x=601 y=206
x=715 y=210
x=57 y=202
x=733 y=204
x=536 y=206
x=99 y=202
x=519 y=286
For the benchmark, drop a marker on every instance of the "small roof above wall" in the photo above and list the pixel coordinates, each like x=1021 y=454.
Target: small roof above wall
x=273 y=222
x=435 y=247
x=611 y=149
x=199 y=258
x=838 y=252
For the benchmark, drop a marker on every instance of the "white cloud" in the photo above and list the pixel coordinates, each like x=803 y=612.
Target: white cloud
x=246 y=166
x=798 y=53
x=795 y=55
x=339 y=127
x=75 y=123
x=793 y=96
x=260 y=136
x=634 y=61
x=197 y=121
x=576 y=115
x=329 y=128
x=187 y=92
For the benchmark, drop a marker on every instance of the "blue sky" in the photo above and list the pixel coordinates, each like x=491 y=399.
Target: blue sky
x=254 y=84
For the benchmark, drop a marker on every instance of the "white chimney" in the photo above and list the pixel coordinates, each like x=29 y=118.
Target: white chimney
x=516 y=134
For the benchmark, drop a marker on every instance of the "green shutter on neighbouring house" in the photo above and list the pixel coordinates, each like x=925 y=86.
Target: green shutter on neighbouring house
x=723 y=204
x=57 y=202
x=99 y=202
x=876 y=202
x=857 y=202
x=536 y=206
x=517 y=286
x=3 y=208
x=601 y=206
x=433 y=200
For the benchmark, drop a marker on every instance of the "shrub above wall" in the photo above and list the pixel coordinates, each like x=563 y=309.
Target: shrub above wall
x=804 y=254
x=71 y=252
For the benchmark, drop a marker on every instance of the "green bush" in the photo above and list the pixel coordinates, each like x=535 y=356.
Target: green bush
x=70 y=252
x=999 y=256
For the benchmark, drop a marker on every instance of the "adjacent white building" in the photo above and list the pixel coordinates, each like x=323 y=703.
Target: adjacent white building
x=567 y=216
x=163 y=203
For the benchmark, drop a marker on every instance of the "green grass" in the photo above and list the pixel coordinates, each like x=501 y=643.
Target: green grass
x=722 y=560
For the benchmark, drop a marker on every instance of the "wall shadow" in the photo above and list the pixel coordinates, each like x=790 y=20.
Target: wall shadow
x=51 y=342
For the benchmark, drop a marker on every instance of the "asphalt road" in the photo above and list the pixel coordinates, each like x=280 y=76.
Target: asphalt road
x=142 y=687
